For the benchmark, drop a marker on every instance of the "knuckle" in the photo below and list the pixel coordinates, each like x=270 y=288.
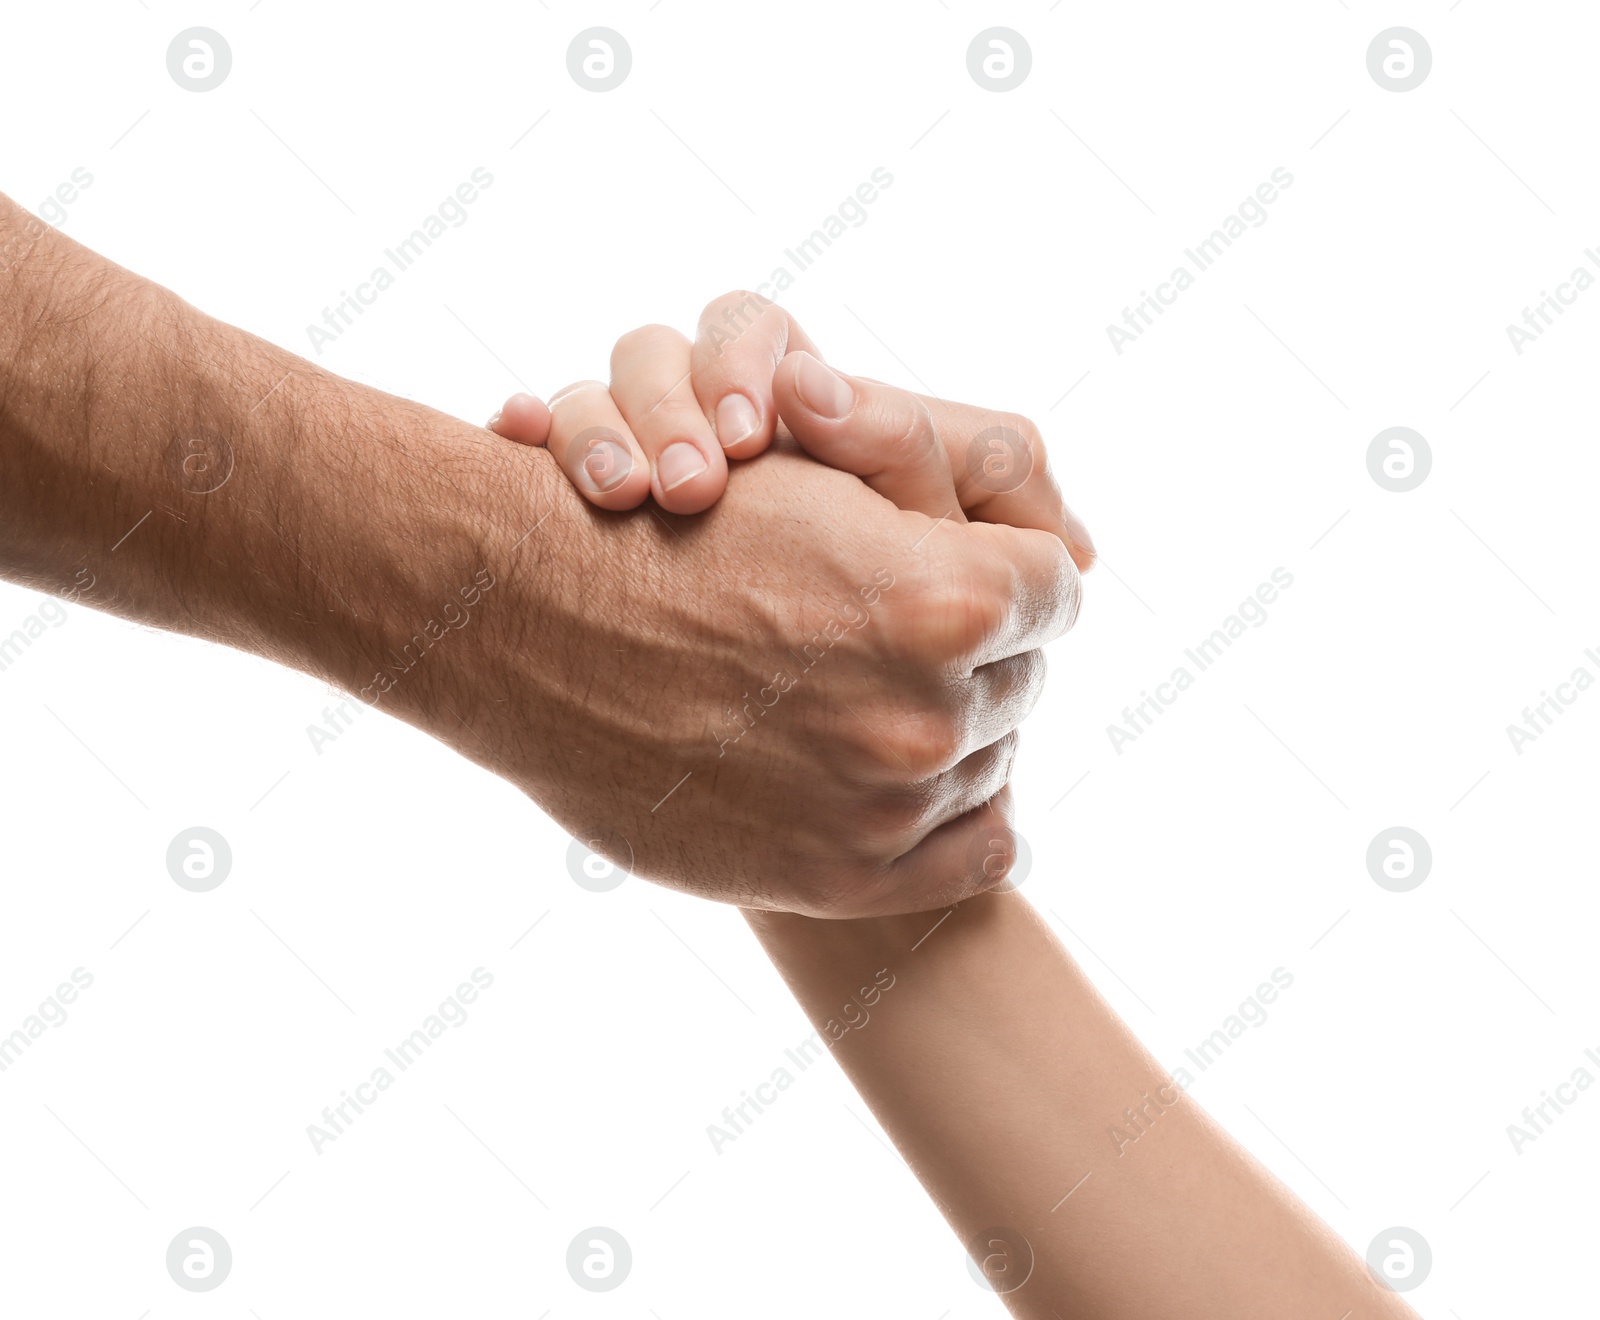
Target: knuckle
x=1030 y=670
x=726 y=326
x=1032 y=458
x=967 y=618
x=1071 y=589
x=1048 y=592
x=815 y=898
x=1031 y=437
x=734 y=298
x=835 y=894
x=982 y=777
x=1000 y=761
x=991 y=856
x=911 y=437
x=1005 y=455
x=924 y=744
x=948 y=615
x=648 y=340
x=576 y=393
x=891 y=818
x=734 y=310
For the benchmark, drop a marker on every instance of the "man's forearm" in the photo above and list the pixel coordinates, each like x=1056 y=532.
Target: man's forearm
x=212 y=483
x=215 y=484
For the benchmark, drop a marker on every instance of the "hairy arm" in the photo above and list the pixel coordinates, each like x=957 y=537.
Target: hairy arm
x=166 y=467
x=206 y=481
x=1004 y=1078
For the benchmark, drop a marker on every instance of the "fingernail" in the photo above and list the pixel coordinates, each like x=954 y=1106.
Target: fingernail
x=492 y=422
x=1080 y=534
x=679 y=463
x=737 y=419
x=822 y=390
x=605 y=466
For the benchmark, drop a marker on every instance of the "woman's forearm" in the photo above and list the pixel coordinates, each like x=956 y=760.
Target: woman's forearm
x=1003 y=1078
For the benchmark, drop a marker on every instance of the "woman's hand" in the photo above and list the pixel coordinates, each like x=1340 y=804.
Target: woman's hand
x=675 y=413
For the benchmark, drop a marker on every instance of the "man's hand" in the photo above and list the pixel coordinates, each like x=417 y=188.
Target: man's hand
x=798 y=701
x=886 y=436
x=802 y=700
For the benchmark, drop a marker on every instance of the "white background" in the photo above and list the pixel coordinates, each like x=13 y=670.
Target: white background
x=1230 y=440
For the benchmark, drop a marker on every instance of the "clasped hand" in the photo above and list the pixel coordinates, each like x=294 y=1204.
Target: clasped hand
x=808 y=698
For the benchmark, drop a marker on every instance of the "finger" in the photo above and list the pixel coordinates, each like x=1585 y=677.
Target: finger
x=1042 y=596
x=650 y=381
x=1001 y=470
x=946 y=777
x=996 y=591
x=1004 y=693
x=524 y=419
x=964 y=857
x=967 y=786
x=595 y=448
x=883 y=435
x=741 y=339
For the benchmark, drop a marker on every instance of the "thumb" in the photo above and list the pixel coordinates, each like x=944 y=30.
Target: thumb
x=881 y=434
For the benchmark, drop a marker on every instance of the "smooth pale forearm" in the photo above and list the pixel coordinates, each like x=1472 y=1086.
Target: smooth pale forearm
x=343 y=517
x=1000 y=1072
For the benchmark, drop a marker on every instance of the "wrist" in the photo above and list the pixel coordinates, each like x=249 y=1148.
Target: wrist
x=384 y=525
